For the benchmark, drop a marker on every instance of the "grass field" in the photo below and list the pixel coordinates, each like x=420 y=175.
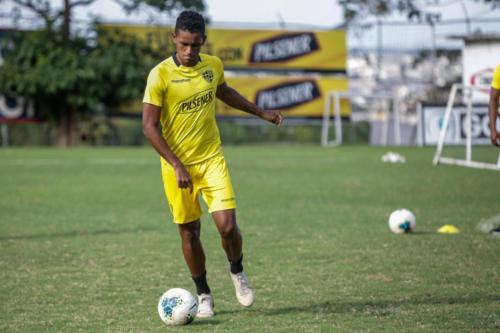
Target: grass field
x=87 y=244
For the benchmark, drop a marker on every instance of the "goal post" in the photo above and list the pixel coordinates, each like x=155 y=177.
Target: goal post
x=385 y=103
x=333 y=96
x=468 y=92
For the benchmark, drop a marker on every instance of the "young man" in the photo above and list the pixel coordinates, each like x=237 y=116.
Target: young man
x=180 y=94
x=493 y=115
x=493 y=107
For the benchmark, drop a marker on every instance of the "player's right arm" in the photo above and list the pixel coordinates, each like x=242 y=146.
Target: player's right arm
x=150 y=120
x=493 y=114
x=493 y=106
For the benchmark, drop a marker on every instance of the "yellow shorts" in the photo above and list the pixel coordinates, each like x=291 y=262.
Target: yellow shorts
x=210 y=178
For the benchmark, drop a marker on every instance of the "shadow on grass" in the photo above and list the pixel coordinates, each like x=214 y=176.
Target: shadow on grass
x=77 y=233
x=378 y=305
x=229 y=312
x=422 y=233
x=205 y=322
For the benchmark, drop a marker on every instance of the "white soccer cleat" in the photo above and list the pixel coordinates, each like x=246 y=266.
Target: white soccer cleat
x=205 y=306
x=244 y=293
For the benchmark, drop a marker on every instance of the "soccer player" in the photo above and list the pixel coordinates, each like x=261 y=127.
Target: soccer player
x=493 y=114
x=180 y=94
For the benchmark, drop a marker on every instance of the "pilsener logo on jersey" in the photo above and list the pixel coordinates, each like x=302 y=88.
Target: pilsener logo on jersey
x=284 y=47
x=287 y=95
x=196 y=102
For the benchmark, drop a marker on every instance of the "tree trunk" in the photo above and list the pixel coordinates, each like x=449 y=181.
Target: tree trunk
x=67 y=115
x=67 y=127
x=66 y=20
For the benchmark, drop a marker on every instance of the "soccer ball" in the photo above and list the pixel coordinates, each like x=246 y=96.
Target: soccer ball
x=402 y=221
x=177 y=307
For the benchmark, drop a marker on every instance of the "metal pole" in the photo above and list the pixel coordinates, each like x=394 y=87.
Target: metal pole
x=326 y=121
x=434 y=52
x=325 y=141
x=397 y=122
x=385 y=122
x=468 y=148
x=446 y=120
x=467 y=19
x=379 y=49
x=338 y=120
x=420 y=125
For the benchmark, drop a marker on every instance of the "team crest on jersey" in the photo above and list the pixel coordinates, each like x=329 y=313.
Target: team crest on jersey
x=208 y=75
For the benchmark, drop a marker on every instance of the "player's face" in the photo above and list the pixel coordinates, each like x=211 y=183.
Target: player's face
x=188 y=46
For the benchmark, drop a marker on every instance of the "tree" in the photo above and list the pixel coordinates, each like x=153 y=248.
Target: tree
x=66 y=74
x=358 y=10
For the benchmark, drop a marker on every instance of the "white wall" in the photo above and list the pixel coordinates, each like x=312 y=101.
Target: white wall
x=479 y=61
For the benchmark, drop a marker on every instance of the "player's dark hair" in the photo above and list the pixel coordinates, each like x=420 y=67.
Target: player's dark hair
x=190 y=21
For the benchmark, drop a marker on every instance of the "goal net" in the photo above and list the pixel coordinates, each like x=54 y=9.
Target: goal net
x=380 y=109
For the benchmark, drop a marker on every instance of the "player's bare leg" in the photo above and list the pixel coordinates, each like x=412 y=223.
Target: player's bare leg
x=229 y=232
x=192 y=248
x=232 y=243
x=195 y=259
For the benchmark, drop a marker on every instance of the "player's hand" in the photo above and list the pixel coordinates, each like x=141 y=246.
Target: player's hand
x=273 y=116
x=183 y=177
x=495 y=138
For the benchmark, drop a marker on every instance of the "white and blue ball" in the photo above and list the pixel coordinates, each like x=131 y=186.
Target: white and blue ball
x=177 y=306
x=402 y=221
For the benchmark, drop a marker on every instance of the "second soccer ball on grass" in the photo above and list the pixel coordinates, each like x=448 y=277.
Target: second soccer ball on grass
x=402 y=221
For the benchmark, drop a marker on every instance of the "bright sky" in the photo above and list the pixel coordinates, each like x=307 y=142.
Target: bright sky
x=264 y=13
x=319 y=13
x=295 y=14
x=324 y=13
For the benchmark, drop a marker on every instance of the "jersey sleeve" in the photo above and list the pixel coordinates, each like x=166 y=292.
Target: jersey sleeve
x=155 y=89
x=220 y=71
x=495 y=82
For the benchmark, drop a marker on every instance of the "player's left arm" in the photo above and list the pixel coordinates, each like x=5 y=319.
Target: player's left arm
x=232 y=98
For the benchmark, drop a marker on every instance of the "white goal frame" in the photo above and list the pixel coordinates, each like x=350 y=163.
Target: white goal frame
x=467 y=162
x=325 y=128
x=388 y=112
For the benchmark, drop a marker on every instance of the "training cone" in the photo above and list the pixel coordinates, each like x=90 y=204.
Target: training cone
x=448 y=229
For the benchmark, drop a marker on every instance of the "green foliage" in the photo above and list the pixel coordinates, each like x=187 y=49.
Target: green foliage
x=115 y=70
x=415 y=10
x=38 y=64
x=84 y=74
x=100 y=130
x=63 y=73
x=262 y=133
x=163 y=5
x=359 y=9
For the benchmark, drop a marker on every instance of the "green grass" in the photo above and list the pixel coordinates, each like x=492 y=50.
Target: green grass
x=87 y=244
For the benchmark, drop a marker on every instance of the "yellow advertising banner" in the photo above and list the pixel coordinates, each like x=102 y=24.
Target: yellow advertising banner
x=295 y=96
x=298 y=97
x=239 y=49
x=322 y=51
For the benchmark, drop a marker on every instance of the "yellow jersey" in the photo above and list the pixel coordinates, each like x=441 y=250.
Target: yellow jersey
x=186 y=97
x=495 y=82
